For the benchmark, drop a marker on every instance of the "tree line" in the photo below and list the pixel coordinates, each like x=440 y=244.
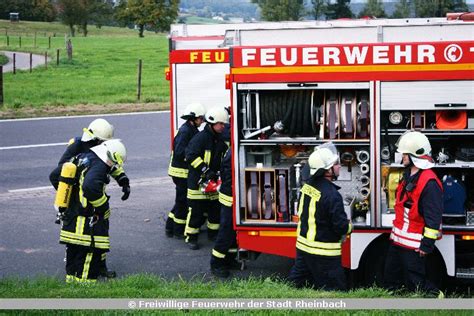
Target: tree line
x=294 y=10
x=157 y=15
x=154 y=15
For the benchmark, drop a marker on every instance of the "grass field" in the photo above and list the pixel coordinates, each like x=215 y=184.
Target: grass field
x=26 y=28
x=103 y=70
x=3 y=59
x=148 y=286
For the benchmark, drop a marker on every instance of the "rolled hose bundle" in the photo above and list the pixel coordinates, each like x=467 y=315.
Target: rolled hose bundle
x=291 y=109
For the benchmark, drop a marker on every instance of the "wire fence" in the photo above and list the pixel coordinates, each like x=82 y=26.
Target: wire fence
x=28 y=41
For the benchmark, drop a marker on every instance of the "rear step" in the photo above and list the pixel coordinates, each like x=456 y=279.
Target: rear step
x=465 y=273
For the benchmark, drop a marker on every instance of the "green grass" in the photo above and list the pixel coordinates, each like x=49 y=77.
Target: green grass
x=199 y=20
x=3 y=59
x=26 y=28
x=103 y=71
x=149 y=286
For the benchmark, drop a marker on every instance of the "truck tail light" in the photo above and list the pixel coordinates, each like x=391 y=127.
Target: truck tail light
x=467 y=237
x=167 y=73
x=253 y=233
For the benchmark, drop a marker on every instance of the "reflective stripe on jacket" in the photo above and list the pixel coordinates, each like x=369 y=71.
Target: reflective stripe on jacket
x=322 y=219
x=205 y=150
x=178 y=166
x=88 y=198
x=409 y=226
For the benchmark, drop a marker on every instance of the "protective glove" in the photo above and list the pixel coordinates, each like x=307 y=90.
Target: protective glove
x=126 y=192
x=124 y=182
x=210 y=175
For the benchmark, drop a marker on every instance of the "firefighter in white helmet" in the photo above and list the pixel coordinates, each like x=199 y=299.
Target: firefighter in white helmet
x=178 y=169
x=418 y=215
x=204 y=154
x=85 y=226
x=322 y=225
x=98 y=131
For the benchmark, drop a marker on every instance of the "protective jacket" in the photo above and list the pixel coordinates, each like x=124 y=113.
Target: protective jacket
x=77 y=146
x=418 y=211
x=204 y=152
x=178 y=166
x=225 y=191
x=86 y=220
x=322 y=219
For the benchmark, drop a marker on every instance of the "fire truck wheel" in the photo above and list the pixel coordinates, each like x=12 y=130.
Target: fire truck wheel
x=372 y=263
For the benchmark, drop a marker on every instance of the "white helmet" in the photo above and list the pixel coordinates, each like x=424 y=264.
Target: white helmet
x=112 y=152
x=323 y=157
x=193 y=110
x=216 y=115
x=98 y=129
x=418 y=147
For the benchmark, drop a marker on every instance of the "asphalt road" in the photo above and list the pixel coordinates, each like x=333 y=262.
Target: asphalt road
x=22 y=61
x=29 y=150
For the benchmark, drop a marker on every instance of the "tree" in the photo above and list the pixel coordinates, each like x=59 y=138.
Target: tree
x=280 y=10
x=339 y=10
x=81 y=13
x=402 y=9
x=319 y=8
x=373 y=8
x=70 y=12
x=30 y=10
x=155 y=14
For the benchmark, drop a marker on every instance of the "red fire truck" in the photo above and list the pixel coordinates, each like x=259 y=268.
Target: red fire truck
x=359 y=84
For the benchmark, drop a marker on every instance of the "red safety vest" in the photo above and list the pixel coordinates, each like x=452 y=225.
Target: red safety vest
x=408 y=224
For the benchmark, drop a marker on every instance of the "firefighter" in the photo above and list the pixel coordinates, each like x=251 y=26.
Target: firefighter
x=85 y=228
x=322 y=225
x=98 y=131
x=204 y=155
x=225 y=248
x=418 y=215
x=178 y=169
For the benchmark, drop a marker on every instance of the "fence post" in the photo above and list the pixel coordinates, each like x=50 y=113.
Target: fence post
x=19 y=39
x=57 y=57
x=139 y=88
x=34 y=45
x=69 y=49
x=8 y=40
x=1 y=85
x=14 y=63
x=46 y=60
x=49 y=42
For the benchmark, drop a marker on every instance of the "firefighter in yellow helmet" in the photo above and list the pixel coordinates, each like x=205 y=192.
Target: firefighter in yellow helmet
x=178 y=169
x=98 y=131
x=85 y=225
x=204 y=155
x=418 y=215
x=322 y=225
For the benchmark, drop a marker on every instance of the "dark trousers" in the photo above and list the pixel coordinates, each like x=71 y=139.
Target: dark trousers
x=196 y=218
x=177 y=221
x=83 y=263
x=225 y=241
x=405 y=268
x=318 y=272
